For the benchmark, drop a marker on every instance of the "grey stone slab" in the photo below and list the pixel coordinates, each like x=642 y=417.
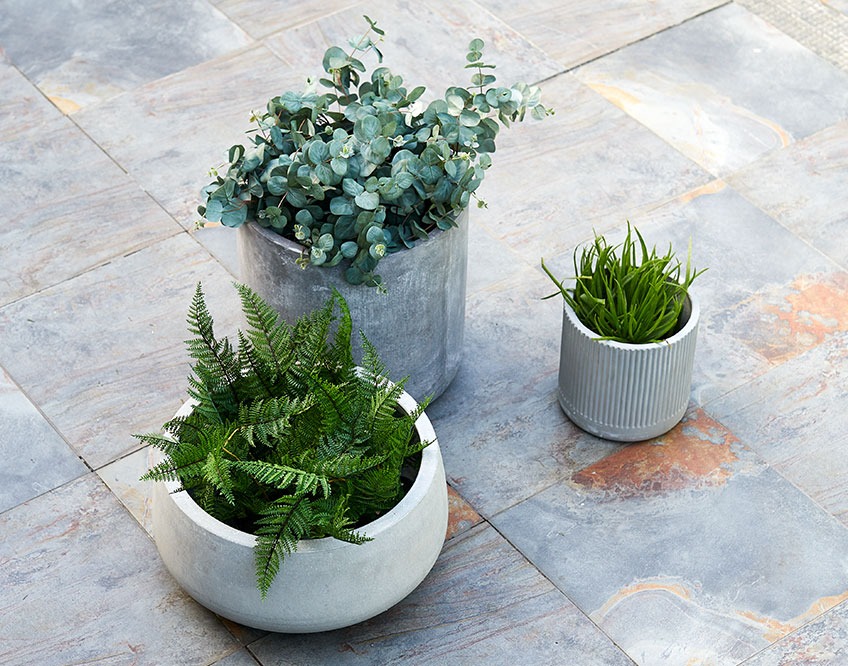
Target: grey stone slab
x=123 y=478
x=425 y=43
x=81 y=583
x=482 y=604
x=81 y=52
x=588 y=167
x=22 y=106
x=102 y=354
x=169 y=133
x=46 y=165
x=754 y=265
x=260 y=18
x=803 y=187
x=502 y=433
x=239 y=658
x=36 y=459
x=575 y=32
x=58 y=238
x=822 y=642
x=817 y=24
x=724 y=88
x=687 y=549
x=794 y=416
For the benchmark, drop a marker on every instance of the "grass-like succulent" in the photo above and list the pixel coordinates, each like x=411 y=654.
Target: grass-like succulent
x=288 y=438
x=359 y=171
x=626 y=292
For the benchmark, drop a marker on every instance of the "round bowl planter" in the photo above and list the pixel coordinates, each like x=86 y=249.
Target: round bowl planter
x=326 y=583
x=626 y=392
x=417 y=326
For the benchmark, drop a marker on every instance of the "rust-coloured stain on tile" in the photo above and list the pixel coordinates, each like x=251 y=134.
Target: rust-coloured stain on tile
x=774 y=630
x=815 y=308
x=697 y=453
x=461 y=515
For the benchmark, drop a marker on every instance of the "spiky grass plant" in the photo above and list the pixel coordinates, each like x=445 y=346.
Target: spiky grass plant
x=625 y=292
x=288 y=439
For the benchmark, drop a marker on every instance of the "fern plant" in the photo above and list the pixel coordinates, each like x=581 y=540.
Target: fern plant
x=288 y=439
x=626 y=292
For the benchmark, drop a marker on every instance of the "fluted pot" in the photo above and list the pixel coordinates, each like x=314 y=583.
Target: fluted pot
x=326 y=583
x=417 y=326
x=626 y=392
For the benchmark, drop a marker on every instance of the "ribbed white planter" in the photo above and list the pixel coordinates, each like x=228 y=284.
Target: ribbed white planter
x=626 y=392
x=326 y=584
x=418 y=326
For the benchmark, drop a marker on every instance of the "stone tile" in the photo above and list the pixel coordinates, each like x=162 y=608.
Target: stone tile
x=709 y=555
x=22 y=106
x=425 y=43
x=260 y=18
x=814 y=23
x=824 y=641
x=36 y=458
x=239 y=658
x=102 y=355
x=724 y=88
x=82 y=52
x=81 y=583
x=794 y=417
x=575 y=32
x=122 y=477
x=803 y=188
x=482 y=604
x=502 y=433
x=461 y=515
x=57 y=240
x=755 y=277
x=588 y=167
x=169 y=133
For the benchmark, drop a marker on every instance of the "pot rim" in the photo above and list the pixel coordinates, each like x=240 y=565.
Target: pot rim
x=428 y=468
x=691 y=323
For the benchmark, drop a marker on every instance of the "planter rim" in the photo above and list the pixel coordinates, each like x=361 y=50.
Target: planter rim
x=692 y=322
x=428 y=468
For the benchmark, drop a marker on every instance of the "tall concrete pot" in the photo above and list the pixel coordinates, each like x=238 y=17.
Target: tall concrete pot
x=325 y=584
x=626 y=392
x=417 y=326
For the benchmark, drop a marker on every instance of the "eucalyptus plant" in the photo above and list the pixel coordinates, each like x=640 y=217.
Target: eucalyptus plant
x=288 y=439
x=626 y=292
x=358 y=170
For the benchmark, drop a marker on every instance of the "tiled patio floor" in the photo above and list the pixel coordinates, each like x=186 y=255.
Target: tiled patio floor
x=724 y=542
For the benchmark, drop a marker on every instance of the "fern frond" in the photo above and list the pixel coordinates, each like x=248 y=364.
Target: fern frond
x=159 y=441
x=268 y=334
x=216 y=364
x=269 y=420
x=281 y=525
x=283 y=476
x=216 y=472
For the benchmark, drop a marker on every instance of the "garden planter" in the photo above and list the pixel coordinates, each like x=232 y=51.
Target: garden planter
x=325 y=584
x=417 y=326
x=626 y=392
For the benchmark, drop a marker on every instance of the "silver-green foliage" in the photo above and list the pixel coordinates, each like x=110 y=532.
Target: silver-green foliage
x=357 y=171
x=626 y=292
x=288 y=439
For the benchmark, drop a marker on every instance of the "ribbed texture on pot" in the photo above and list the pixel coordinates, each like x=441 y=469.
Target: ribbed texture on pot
x=626 y=392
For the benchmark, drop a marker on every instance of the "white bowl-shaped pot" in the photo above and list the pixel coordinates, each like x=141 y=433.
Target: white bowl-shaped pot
x=418 y=324
x=626 y=392
x=326 y=583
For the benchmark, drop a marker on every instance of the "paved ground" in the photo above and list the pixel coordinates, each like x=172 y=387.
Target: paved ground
x=725 y=542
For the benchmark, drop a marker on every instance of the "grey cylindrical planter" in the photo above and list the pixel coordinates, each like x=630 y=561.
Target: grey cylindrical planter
x=417 y=327
x=326 y=583
x=626 y=392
